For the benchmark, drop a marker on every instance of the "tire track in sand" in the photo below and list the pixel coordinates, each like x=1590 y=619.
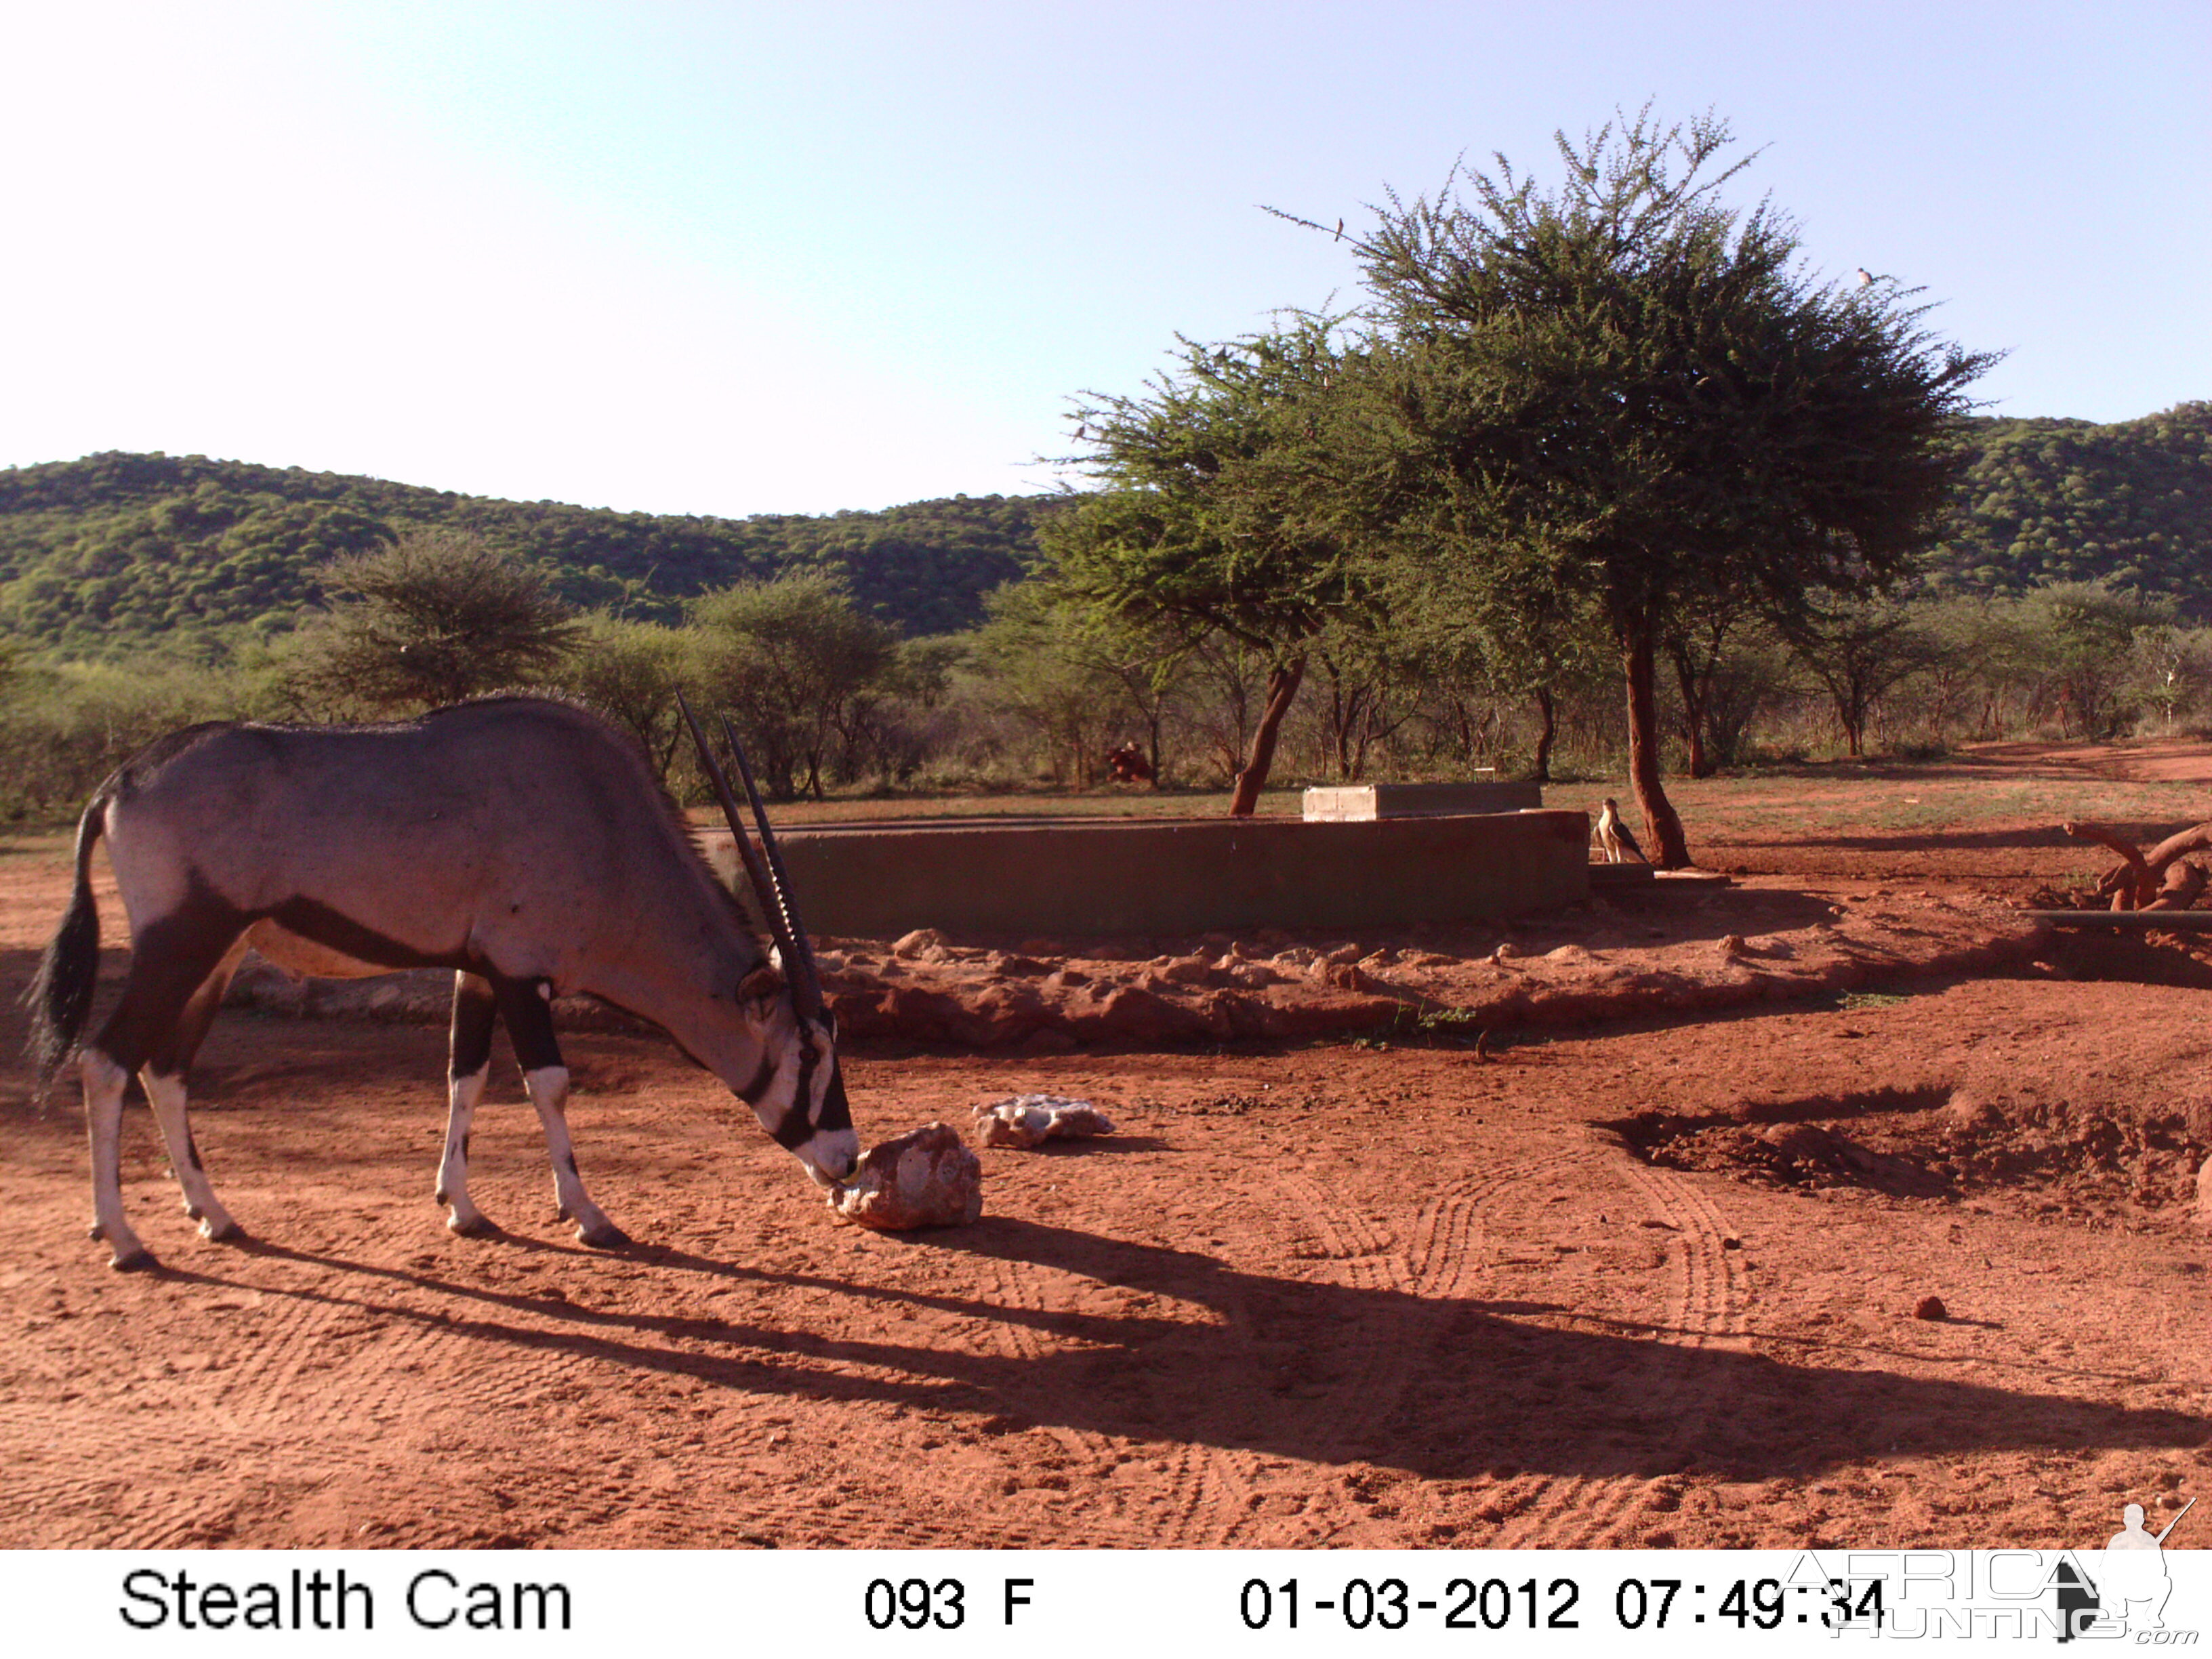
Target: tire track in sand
x=77 y=1497
x=1436 y=1256
x=1708 y=1289
x=144 y=1455
x=1454 y=1247
x=1032 y=1300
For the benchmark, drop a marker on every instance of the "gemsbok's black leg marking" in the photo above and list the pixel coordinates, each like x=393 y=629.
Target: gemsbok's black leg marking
x=476 y=1012
x=171 y=959
x=526 y=1006
x=174 y=1057
x=163 y=1076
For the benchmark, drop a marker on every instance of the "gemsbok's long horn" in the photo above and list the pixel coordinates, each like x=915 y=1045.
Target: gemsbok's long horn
x=763 y=884
x=805 y=977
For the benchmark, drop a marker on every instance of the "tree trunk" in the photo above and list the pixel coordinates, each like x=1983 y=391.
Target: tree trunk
x=1701 y=765
x=1547 y=734
x=1854 y=732
x=1696 y=694
x=1638 y=655
x=1344 y=711
x=1283 y=680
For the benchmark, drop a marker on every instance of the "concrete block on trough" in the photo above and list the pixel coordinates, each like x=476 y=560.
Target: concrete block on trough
x=1364 y=803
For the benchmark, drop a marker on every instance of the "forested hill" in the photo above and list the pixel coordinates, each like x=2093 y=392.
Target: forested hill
x=114 y=549
x=2071 y=501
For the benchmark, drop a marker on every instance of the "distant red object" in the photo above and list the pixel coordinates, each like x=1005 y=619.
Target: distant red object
x=1128 y=765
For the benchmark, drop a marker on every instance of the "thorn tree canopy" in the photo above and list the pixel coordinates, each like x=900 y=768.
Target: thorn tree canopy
x=794 y=660
x=1217 y=512
x=1633 y=391
x=439 y=615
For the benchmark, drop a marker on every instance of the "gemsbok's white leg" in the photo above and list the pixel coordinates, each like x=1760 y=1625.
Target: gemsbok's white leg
x=104 y=1081
x=548 y=1093
x=463 y=1092
x=167 y=1097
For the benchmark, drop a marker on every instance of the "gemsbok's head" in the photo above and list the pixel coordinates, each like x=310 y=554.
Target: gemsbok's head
x=797 y=1089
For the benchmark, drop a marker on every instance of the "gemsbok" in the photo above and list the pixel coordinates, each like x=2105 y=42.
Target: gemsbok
x=524 y=843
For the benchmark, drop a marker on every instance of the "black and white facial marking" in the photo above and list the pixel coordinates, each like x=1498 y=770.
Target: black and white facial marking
x=798 y=1091
x=832 y=1149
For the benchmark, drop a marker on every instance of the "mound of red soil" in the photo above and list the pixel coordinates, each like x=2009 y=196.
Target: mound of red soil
x=1650 y=953
x=2075 y=1157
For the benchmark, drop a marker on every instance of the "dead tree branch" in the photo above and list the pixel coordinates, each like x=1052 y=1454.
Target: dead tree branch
x=2156 y=880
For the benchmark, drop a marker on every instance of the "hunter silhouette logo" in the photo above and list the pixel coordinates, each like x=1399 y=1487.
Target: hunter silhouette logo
x=2125 y=1584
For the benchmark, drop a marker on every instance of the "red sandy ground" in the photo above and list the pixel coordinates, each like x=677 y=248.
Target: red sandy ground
x=1630 y=1281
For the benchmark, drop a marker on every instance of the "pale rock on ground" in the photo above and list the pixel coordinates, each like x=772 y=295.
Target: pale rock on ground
x=1030 y=1121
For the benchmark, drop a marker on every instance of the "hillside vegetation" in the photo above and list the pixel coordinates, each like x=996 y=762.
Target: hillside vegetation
x=106 y=553
x=2071 y=501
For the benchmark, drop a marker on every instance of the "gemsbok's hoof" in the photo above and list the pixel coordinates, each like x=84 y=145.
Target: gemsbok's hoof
x=226 y=1231
x=136 y=1259
x=604 y=1237
x=469 y=1226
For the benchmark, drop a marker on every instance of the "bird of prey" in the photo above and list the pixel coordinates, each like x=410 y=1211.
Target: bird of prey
x=1614 y=836
x=1867 y=279
x=1339 y=230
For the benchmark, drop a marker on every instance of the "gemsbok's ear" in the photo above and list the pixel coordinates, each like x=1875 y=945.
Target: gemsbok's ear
x=763 y=982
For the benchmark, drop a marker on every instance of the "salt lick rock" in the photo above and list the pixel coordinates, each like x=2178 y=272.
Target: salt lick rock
x=924 y=1178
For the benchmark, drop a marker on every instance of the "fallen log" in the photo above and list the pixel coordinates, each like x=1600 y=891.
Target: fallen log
x=2160 y=879
x=2131 y=885
x=2183 y=885
x=2195 y=839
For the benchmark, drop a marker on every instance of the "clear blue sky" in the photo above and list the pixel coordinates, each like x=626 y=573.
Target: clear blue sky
x=735 y=259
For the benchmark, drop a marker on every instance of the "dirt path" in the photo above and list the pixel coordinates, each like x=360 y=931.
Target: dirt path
x=2163 y=760
x=1638 y=1284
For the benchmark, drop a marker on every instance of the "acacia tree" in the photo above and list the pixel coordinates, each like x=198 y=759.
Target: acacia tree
x=632 y=671
x=1106 y=670
x=1629 y=390
x=2085 y=633
x=1371 y=679
x=1504 y=623
x=1215 y=516
x=1859 y=649
x=1032 y=652
x=439 y=615
x=1757 y=672
x=794 y=661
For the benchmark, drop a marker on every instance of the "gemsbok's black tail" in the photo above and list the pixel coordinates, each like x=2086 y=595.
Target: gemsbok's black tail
x=61 y=993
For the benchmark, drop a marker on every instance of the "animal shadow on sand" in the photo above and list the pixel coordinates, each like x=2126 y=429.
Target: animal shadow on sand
x=1205 y=1353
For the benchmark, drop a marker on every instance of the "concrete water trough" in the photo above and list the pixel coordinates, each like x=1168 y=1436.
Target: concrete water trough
x=1050 y=878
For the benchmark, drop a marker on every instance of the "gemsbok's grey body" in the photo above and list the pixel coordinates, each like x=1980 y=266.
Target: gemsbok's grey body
x=525 y=844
